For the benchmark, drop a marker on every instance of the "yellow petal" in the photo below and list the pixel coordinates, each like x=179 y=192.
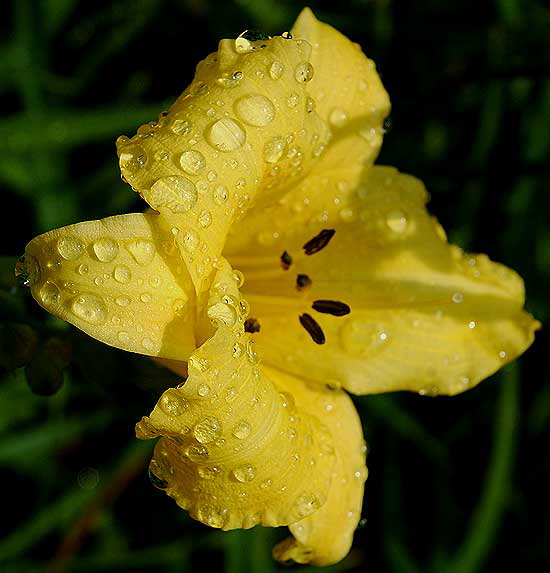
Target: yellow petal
x=326 y=536
x=234 y=451
x=424 y=316
x=118 y=279
x=347 y=90
x=240 y=133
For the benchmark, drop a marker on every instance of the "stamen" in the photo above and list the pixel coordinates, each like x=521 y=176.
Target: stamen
x=302 y=282
x=286 y=261
x=334 y=307
x=251 y=325
x=312 y=328
x=318 y=242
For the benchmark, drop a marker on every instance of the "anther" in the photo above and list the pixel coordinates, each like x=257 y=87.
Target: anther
x=318 y=242
x=302 y=282
x=334 y=307
x=312 y=328
x=286 y=261
x=251 y=325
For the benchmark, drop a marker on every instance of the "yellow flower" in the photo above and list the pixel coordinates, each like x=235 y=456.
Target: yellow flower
x=271 y=235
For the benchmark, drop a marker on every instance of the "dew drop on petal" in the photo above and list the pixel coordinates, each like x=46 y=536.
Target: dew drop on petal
x=338 y=117
x=49 y=293
x=90 y=307
x=172 y=403
x=208 y=430
x=197 y=453
x=276 y=70
x=256 y=110
x=122 y=274
x=274 y=149
x=27 y=271
x=176 y=193
x=106 y=249
x=221 y=313
x=192 y=162
x=244 y=473
x=226 y=134
x=70 y=247
x=241 y=430
x=142 y=250
x=303 y=72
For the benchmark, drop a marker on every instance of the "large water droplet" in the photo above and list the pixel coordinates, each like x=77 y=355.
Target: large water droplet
x=70 y=247
x=207 y=430
x=122 y=274
x=255 y=109
x=245 y=473
x=27 y=271
x=172 y=403
x=226 y=134
x=176 y=193
x=210 y=516
x=49 y=294
x=274 y=149
x=142 y=250
x=105 y=249
x=90 y=307
x=241 y=430
x=192 y=162
x=276 y=70
x=303 y=72
x=197 y=453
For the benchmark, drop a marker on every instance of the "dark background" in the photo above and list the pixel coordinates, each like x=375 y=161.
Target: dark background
x=456 y=485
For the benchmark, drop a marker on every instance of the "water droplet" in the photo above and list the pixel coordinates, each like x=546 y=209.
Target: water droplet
x=210 y=516
x=90 y=307
x=200 y=364
x=82 y=269
x=276 y=70
x=274 y=149
x=207 y=430
x=148 y=344
x=255 y=109
x=219 y=195
x=207 y=472
x=241 y=430
x=172 y=403
x=197 y=453
x=192 y=162
x=69 y=247
x=472 y=324
x=174 y=192
x=338 y=117
x=242 y=45
x=502 y=354
x=458 y=297
x=204 y=219
x=179 y=307
x=145 y=297
x=303 y=72
x=292 y=100
x=397 y=221
x=190 y=240
x=131 y=158
x=305 y=505
x=244 y=307
x=123 y=337
x=226 y=134
x=267 y=483
x=245 y=473
x=181 y=126
x=105 y=249
x=49 y=294
x=251 y=352
x=142 y=250
x=203 y=390
x=27 y=271
x=156 y=481
x=122 y=300
x=122 y=274
x=221 y=313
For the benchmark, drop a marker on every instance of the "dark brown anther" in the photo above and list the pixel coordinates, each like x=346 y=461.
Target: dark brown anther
x=286 y=261
x=251 y=325
x=302 y=282
x=319 y=242
x=313 y=328
x=334 y=307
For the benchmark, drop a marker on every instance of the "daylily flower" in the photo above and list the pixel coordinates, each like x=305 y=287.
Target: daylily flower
x=272 y=236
